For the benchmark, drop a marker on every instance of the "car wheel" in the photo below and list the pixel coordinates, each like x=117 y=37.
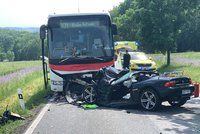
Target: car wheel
x=71 y=94
x=89 y=94
x=177 y=103
x=149 y=100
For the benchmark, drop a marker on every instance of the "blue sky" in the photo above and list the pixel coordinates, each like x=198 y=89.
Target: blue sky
x=33 y=13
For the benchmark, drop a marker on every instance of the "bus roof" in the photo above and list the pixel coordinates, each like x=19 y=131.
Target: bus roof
x=77 y=14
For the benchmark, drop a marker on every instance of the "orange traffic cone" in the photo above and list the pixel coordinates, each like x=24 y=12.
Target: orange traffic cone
x=196 y=89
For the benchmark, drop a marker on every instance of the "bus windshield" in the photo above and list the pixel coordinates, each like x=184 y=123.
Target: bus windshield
x=79 y=37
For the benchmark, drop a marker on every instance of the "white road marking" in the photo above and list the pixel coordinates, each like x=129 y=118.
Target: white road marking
x=37 y=120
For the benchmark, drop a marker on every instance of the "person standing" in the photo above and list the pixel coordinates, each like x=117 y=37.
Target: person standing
x=126 y=59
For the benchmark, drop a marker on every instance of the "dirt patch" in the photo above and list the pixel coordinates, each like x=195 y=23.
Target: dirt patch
x=19 y=74
x=180 y=60
x=187 y=61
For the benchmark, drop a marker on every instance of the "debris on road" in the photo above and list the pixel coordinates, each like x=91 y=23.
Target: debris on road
x=56 y=97
x=89 y=106
x=8 y=115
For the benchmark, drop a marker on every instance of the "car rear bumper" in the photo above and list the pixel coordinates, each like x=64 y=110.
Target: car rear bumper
x=176 y=93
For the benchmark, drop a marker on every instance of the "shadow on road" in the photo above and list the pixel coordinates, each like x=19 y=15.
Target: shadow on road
x=178 y=120
x=182 y=120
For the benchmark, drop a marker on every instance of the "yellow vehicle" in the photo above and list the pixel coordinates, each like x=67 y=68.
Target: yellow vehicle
x=122 y=46
x=139 y=61
x=128 y=45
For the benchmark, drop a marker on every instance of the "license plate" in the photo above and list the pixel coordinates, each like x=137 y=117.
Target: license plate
x=186 y=91
x=87 y=75
x=144 y=68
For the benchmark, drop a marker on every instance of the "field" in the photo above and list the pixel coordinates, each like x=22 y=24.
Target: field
x=188 y=69
x=189 y=55
x=10 y=67
x=33 y=93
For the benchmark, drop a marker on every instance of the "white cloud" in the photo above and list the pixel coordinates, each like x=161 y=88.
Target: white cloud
x=35 y=12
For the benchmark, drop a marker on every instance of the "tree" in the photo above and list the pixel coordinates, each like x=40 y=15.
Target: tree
x=157 y=23
x=19 y=45
x=189 y=32
x=2 y=56
x=10 y=56
x=6 y=42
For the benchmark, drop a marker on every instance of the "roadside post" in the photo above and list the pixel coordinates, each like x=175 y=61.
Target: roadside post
x=196 y=89
x=21 y=99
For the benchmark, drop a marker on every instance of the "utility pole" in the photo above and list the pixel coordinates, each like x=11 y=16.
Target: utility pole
x=78 y=7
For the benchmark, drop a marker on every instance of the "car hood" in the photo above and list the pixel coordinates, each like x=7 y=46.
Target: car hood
x=141 y=61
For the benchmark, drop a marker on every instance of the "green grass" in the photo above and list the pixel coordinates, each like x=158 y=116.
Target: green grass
x=33 y=92
x=10 y=67
x=7 y=89
x=188 y=70
x=10 y=126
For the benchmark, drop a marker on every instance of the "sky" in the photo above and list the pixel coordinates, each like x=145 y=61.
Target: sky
x=33 y=13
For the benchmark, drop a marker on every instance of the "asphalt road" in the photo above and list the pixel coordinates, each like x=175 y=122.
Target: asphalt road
x=63 y=118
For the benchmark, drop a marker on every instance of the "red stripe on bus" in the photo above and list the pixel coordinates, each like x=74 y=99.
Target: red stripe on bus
x=81 y=67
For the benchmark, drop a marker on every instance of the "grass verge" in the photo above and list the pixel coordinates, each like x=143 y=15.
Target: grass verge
x=188 y=70
x=10 y=67
x=33 y=92
x=9 y=88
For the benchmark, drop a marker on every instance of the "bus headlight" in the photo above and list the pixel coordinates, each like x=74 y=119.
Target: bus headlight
x=60 y=83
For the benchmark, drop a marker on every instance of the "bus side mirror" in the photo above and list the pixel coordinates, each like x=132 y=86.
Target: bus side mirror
x=114 y=29
x=42 y=32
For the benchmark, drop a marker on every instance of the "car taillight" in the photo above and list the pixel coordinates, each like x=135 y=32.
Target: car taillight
x=170 y=84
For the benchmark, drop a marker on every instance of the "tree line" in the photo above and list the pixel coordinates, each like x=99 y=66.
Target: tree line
x=159 y=25
x=19 y=45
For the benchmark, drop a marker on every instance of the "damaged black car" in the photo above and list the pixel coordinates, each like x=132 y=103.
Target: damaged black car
x=149 y=89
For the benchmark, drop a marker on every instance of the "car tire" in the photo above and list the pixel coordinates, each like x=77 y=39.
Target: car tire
x=149 y=99
x=177 y=103
x=89 y=94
